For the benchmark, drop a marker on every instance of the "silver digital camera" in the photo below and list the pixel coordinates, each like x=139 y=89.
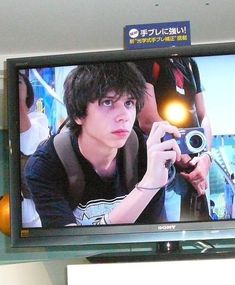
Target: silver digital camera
x=192 y=140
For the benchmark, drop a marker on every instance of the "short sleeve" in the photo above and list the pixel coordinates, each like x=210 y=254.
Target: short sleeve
x=39 y=131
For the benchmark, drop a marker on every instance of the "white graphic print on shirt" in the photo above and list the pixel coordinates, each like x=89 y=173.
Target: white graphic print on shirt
x=94 y=211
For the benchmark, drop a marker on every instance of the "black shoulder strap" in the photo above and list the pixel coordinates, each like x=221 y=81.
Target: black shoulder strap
x=64 y=149
x=130 y=161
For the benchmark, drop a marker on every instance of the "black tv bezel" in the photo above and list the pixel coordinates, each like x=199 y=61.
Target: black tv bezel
x=94 y=235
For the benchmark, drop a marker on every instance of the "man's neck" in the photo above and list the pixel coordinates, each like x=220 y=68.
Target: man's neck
x=103 y=159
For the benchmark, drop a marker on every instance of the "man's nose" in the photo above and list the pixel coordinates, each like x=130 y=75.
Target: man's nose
x=122 y=113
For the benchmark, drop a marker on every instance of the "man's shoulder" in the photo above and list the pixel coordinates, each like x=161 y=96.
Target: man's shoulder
x=45 y=147
x=44 y=161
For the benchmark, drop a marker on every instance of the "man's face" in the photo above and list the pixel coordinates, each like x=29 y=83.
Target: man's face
x=109 y=122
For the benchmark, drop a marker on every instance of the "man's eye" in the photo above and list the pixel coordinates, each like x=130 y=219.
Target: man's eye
x=130 y=103
x=107 y=103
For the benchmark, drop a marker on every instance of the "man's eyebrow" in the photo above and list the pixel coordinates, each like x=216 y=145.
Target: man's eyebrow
x=113 y=97
x=131 y=97
x=117 y=97
x=109 y=97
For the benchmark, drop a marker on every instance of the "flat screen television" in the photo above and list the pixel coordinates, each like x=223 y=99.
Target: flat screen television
x=47 y=74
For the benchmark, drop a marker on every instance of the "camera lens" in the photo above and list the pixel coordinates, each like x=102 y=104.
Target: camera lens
x=196 y=141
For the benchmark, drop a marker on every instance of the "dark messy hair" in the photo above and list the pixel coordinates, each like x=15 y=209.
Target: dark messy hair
x=88 y=83
x=30 y=93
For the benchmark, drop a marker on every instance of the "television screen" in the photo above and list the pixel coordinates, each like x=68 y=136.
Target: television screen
x=122 y=146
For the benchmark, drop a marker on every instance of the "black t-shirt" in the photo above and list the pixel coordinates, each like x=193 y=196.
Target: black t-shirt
x=48 y=182
x=160 y=72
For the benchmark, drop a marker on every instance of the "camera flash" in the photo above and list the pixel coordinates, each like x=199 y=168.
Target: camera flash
x=175 y=113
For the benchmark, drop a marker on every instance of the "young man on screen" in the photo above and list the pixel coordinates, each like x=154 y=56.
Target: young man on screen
x=102 y=101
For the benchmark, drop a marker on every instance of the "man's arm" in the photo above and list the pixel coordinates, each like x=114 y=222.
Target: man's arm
x=149 y=113
x=47 y=182
x=158 y=155
x=203 y=118
x=198 y=177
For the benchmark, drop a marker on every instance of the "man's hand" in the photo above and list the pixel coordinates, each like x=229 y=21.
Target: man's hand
x=183 y=164
x=198 y=176
x=160 y=154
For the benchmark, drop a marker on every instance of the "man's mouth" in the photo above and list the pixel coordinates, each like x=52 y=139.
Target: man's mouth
x=121 y=132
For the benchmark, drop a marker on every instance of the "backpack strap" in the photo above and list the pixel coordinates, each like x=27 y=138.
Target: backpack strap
x=130 y=160
x=65 y=152
x=64 y=149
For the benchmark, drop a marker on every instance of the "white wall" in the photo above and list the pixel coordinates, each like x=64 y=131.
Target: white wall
x=36 y=273
x=193 y=272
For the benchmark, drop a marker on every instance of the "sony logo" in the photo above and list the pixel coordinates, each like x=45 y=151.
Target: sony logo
x=166 y=227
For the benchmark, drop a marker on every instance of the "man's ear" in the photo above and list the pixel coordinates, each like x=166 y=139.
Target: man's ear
x=78 y=121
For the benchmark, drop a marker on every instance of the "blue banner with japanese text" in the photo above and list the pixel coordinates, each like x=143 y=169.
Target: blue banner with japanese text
x=157 y=35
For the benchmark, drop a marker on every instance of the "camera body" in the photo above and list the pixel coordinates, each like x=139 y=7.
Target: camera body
x=192 y=140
